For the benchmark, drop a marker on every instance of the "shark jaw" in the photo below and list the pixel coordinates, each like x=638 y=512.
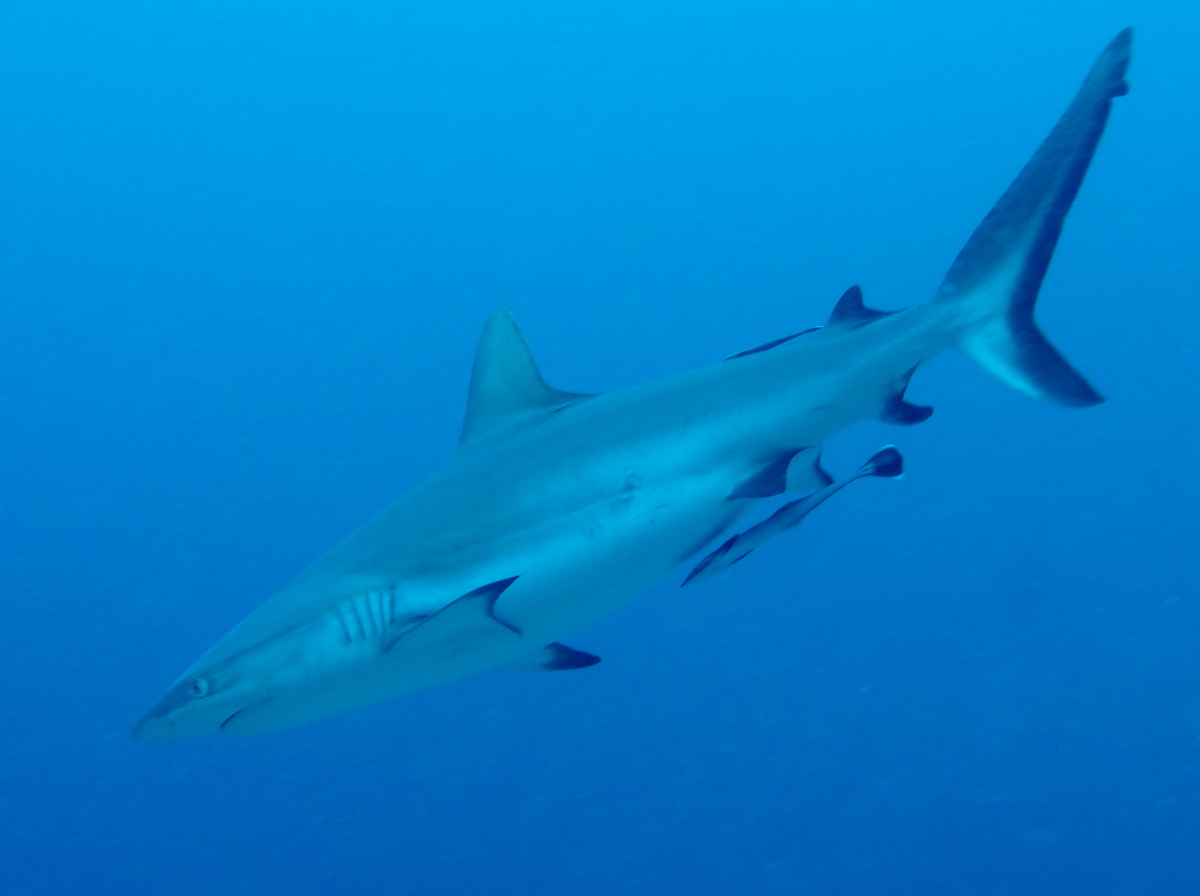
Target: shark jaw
x=212 y=692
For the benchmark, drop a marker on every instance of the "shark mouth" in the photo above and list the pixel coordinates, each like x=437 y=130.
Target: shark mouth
x=242 y=710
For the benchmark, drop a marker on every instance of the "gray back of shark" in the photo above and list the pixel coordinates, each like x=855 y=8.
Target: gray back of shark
x=559 y=507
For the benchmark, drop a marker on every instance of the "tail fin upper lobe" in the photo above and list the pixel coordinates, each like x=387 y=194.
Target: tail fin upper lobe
x=999 y=271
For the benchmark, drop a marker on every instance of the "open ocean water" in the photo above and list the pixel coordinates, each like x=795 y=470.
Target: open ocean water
x=246 y=249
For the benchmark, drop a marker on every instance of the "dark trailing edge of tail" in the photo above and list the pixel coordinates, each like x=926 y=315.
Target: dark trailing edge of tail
x=1005 y=259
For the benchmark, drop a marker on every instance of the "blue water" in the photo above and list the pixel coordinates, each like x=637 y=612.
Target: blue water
x=245 y=251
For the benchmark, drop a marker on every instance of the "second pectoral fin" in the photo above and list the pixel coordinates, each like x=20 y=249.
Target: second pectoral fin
x=553 y=658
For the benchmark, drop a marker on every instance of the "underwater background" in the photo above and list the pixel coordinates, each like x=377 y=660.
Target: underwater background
x=246 y=249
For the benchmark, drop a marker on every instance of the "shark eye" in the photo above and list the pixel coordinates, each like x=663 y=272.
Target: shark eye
x=198 y=688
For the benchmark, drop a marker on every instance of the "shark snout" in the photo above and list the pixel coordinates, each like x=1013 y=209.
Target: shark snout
x=162 y=728
x=185 y=711
x=154 y=729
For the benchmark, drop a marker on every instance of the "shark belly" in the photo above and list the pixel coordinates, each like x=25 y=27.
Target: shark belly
x=575 y=571
x=583 y=528
x=596 y=566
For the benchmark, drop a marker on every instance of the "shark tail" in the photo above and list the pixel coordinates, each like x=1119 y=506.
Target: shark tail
x=996 y=277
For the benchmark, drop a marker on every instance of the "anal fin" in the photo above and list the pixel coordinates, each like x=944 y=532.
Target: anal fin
x=900 y=412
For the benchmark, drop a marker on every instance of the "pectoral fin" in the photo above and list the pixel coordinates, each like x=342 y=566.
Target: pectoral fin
x=465 y=625
x=553 y=658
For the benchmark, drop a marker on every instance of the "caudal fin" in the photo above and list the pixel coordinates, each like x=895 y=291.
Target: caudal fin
x=998 y=273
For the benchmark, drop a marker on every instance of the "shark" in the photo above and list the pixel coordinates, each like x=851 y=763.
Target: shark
x=556 y=507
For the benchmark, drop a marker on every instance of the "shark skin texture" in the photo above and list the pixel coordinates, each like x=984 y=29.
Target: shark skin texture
x=559 y=507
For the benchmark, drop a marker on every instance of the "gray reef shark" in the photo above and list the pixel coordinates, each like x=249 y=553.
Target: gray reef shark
x=558 y=507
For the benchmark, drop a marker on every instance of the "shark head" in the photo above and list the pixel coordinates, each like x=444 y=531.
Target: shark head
x=198 y=704
x=207 y=698
x=360 y=652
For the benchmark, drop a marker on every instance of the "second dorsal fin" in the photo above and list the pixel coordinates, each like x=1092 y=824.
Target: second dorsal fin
x=851 y=312
x=505 y=382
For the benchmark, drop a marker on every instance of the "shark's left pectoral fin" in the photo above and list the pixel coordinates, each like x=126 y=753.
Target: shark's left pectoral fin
x=464 y=625
x=900 y=412
x=553 y=658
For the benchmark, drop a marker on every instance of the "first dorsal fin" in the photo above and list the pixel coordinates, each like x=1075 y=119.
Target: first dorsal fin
x=850 y=310
x=505 y=382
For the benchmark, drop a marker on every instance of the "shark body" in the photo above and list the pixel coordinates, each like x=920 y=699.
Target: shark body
x=557 y=507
